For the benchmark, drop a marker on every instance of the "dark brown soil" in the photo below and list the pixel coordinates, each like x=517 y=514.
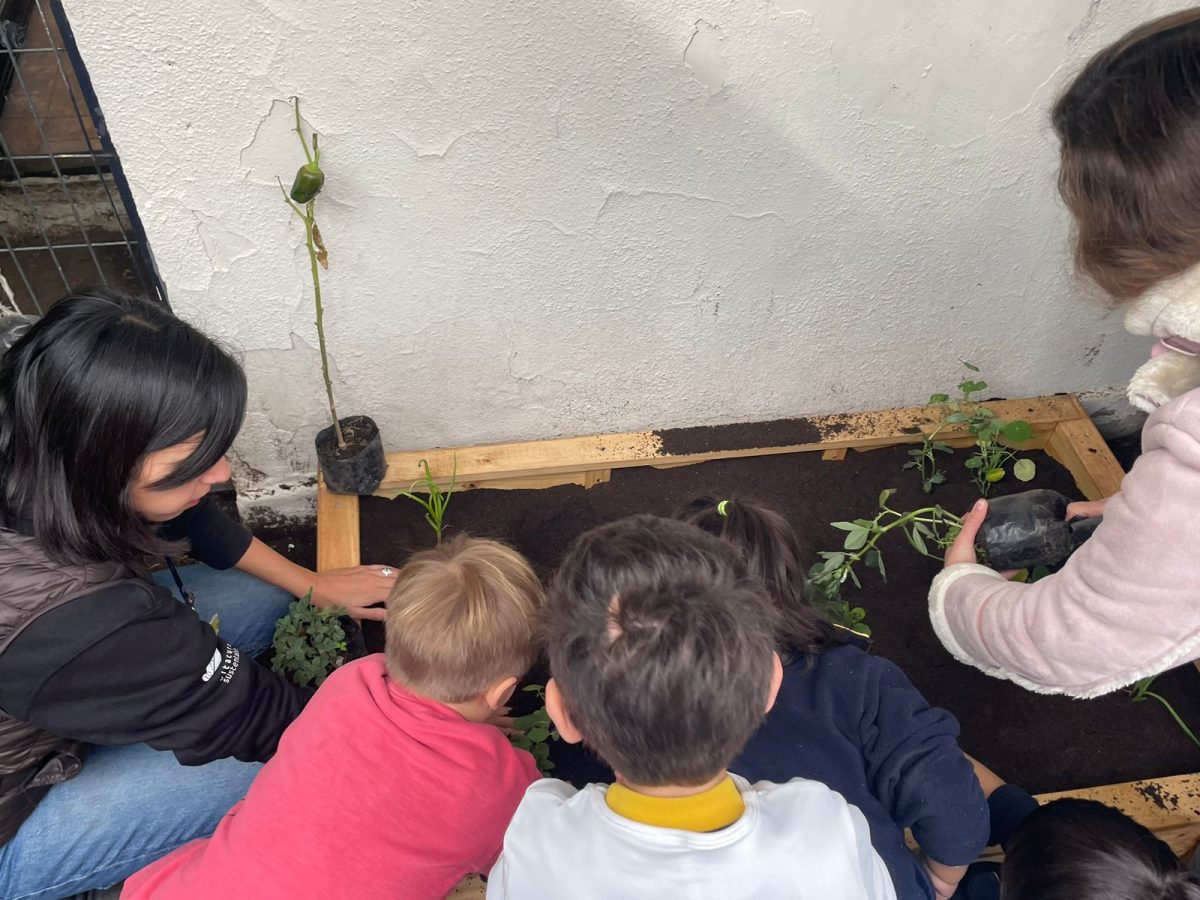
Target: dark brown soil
x=1043 y=743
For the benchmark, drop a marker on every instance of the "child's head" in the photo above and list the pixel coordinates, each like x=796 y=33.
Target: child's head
x=1071 y=849
x=662 y=653
x=462 y=620
x=771 y=552
x=1130 y=131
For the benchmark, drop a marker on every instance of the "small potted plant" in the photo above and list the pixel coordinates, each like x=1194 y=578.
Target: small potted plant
x=349 y=450
x=311 y=641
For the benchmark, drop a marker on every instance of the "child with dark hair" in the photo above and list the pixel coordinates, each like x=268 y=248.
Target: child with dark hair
x=853 y=721
x=1071 y=849
x=663 y=662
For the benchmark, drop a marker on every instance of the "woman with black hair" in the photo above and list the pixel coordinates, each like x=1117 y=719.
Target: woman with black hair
x=115 y=417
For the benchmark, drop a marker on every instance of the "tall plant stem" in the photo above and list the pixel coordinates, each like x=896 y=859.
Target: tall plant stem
x=310 y=223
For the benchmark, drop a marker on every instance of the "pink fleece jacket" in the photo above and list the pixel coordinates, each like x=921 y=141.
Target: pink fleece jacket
x=1125 y=605
x=375 y=792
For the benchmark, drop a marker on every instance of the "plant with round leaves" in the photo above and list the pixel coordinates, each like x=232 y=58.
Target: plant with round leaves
x=990 y=459
x=309 y=642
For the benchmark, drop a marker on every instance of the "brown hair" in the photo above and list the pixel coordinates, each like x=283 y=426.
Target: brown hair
x=1130 y=130
x=461 y=617
x=771 y=551
x=661 y=648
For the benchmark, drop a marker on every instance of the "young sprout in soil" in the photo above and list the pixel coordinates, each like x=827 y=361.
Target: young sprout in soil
x=309 y=642
x=988 y=463
x=535 y=731
x=303 y=202
x=923 y=528
x=1140 y=692
x=435 y=500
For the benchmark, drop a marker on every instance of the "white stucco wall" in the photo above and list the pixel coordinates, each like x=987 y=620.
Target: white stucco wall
x=550 y=218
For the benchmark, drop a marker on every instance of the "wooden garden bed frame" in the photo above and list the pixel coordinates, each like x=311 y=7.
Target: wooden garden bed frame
x=1060 y=427
x=1169 y=806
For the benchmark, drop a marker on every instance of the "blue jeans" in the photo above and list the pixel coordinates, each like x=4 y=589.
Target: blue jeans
x=132 y=805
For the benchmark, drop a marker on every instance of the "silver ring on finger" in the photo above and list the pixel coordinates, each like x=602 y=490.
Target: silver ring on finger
x=387 y=571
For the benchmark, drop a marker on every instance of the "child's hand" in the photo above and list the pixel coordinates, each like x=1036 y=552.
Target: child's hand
x=945 y=879
x=963 y=548
x=1085 y=509
x=502 y=720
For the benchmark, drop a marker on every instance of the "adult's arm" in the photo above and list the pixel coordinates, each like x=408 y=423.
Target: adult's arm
x=220 y=542
x=129 y=663
x=1125 y=605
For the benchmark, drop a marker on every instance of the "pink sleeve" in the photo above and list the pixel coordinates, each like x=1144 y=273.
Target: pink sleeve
x=1125 y=606
x=517 y=772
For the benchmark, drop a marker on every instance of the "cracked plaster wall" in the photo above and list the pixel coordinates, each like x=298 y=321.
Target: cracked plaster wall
x=556 y=218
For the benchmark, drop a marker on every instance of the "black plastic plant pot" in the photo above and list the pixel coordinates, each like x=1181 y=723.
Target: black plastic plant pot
x=357 y=468
x=356 y=644
x=1027 y=530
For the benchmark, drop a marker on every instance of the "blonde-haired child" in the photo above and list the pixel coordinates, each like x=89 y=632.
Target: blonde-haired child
x=391 y=782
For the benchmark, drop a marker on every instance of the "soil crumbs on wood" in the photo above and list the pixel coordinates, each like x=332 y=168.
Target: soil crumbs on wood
x=1043 y=743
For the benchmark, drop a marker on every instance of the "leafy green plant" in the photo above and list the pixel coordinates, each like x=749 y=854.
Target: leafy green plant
x=302 y=199
x=990 y=460
x=1140 y=692
x=924 y=460
x=930 y=526
x=535 y=731
x=309 y=642
x=435 y=500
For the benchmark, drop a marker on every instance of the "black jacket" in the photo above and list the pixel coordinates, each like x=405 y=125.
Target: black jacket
x=127 y=662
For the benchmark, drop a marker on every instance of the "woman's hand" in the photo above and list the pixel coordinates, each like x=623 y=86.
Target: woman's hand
x=356 y=589
x=963 y=548
x=1085 y=509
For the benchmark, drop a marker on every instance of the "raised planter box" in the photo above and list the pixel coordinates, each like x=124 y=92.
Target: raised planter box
x=1060 y=427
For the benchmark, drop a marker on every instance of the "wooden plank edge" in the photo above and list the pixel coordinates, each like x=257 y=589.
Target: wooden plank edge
x=1078 y=445
x=337 y=529
x=481 y=465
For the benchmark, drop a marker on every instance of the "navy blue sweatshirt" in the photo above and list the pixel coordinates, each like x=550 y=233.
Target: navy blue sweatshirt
x=856 y=723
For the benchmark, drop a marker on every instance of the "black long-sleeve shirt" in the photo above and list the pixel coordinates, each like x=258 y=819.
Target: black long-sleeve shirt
x=129 y=662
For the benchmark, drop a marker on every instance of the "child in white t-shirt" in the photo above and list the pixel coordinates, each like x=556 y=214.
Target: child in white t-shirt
x=663 y=662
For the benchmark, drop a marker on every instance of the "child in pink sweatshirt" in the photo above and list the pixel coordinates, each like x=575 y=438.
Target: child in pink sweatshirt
x=1127 y=604
x=391 y=783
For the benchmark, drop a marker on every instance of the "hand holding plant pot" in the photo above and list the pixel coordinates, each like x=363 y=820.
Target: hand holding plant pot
x=962 y=548
x=1022 y=531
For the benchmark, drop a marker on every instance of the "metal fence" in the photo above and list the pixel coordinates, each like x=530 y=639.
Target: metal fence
x=67 y=218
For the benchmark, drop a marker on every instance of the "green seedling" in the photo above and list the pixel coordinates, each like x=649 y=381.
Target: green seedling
x=924 y=460
x=990 y=460
x=309 y=642
x=535 y=731
x=435 y=500
x=925 y=528
x=1140 y=692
